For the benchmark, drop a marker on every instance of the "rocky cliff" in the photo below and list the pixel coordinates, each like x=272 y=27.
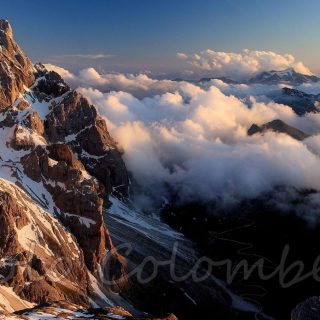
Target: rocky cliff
x=16 y=72
x=58 y=164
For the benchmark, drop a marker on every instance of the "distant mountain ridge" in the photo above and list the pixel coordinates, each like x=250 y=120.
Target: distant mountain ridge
x=300 y=102
x=288 y=76
x=224 y=79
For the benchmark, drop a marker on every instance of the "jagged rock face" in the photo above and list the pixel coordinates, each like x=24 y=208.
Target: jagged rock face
x=67 y=117
x=40 y=260
x=49 y=83
x=34 y=123
x=57 y=149
x=300 y=102
x=16 y=70
x=75 y=117
x=77 y=195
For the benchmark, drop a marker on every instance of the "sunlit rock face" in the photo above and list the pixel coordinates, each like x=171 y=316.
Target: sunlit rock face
x=16 y=70
x=58 y=165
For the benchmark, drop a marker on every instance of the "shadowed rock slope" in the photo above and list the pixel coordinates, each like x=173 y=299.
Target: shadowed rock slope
x=280 y=127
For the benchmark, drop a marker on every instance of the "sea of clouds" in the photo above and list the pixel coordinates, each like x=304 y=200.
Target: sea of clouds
x=191 y=139
x=240 y=65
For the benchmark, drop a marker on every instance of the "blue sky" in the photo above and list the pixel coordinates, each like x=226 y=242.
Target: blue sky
x=146 y=34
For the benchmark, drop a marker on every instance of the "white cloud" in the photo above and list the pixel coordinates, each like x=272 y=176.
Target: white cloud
x=182 y=55
x=194 y=142
x=243 y=64
x=140 y=85
x=92 y=56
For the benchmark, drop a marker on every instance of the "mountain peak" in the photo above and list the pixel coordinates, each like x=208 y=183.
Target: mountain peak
x=16 y=70
x=287 y=76
x=289 y=70
x=279 y=126
x=5 y=27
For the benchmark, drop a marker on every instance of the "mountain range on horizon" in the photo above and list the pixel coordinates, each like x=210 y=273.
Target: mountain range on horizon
x=270 y=77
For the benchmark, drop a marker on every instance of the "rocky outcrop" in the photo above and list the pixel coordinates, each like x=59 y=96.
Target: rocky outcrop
x=49 y=84
x=16 y=70
x=77 y=195
x=300 y=102
x=34 y=123
x=57 y=148
x=74 y=121
x=280 y=127
x=307 y=310
x=70 y=149
x=40 y=260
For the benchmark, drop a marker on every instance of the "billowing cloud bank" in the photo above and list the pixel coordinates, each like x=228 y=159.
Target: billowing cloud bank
x=242 y=65
x=140 y=85
x=194 y=141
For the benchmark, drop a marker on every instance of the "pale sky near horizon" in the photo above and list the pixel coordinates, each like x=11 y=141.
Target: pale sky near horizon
x=139 y=35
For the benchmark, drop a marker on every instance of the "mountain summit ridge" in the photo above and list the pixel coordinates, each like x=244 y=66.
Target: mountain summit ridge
x=287 y=76
x=16 y=69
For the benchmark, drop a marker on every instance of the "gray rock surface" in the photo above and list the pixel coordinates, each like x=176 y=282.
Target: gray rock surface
x=307 y=310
